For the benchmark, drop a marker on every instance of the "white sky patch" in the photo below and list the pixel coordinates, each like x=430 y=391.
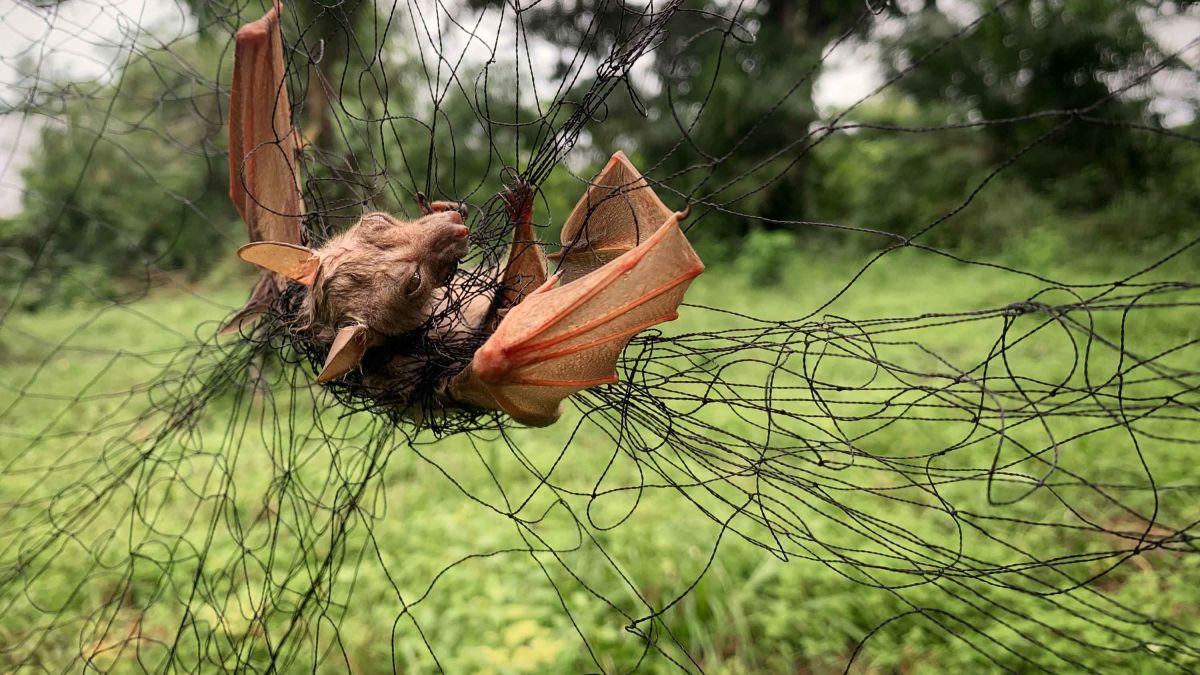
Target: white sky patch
x=1177 y=90
x=72 y=41
x=83 y=40
x=851 y=71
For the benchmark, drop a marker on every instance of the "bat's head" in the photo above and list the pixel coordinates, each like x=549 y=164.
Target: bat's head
x=380 y=278
x=383 y=271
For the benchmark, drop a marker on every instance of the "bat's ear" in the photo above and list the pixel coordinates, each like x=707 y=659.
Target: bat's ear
x=297 y=263
x=347 y=350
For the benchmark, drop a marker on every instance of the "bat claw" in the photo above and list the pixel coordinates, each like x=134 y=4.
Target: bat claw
x=516 y=193
x=427 y=207
x=518 y=198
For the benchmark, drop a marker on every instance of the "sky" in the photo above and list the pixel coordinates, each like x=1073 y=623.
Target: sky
x=85 y=40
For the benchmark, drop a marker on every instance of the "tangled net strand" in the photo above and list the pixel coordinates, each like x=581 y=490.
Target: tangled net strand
x=223 y=514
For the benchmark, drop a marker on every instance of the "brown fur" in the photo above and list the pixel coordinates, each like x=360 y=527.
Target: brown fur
x=366 y=274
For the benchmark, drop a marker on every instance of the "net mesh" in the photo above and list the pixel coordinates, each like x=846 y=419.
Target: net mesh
x=979 y=468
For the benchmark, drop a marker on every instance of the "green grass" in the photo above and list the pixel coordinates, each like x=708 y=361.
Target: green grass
x=427 y=512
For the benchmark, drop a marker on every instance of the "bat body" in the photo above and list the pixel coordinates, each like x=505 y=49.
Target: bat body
x=624 y=266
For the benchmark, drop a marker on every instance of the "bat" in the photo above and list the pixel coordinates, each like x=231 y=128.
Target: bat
x=624 y=266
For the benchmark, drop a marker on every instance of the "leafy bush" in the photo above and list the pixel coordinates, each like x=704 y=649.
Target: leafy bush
x=128 y=178
x=765 y=256
x=898 y=184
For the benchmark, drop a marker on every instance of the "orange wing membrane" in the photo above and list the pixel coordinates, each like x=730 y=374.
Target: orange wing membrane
x=618 y=212
x=621 y=274
x=526 y=268
x=263 y=151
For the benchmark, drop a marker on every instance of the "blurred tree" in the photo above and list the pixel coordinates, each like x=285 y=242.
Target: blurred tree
x=722 y=114
x=128 y=178
x=131 y=173
x=1031 y=56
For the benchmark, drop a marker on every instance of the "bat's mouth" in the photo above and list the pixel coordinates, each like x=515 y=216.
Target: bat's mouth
x=454 y=246
x=448 y=275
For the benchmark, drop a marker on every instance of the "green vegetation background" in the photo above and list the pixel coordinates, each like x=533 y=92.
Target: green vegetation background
x=124 y=197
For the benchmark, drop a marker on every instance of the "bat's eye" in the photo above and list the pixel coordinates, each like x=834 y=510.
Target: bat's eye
x=414 y=283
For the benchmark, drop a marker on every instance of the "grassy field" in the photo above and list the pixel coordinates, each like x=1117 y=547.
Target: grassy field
x=241 y=496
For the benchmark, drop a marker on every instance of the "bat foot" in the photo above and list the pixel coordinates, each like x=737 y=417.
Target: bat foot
x=518 y=198
x=427 y=207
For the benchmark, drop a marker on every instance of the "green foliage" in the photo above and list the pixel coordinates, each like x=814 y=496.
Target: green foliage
x=751 y=613
x=900 y=184
x=127 y=180
x=1032 y=56
x=131 y=176
x=765 y=256
x=743 y=99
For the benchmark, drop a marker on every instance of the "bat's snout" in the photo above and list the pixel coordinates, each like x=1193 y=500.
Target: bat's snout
x=447 y=227
x=449 y=241
x=451 y=235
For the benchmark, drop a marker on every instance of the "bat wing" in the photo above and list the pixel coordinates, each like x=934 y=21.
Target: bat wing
x=565 y=337
x=263 y=144
x=263 y=151
x=526 y=267
x=618 y=212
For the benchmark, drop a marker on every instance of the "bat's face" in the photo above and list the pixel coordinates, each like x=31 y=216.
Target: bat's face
x=384 y=272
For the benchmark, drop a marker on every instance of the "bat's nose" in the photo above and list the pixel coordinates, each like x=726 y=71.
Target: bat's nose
x=459 y=231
